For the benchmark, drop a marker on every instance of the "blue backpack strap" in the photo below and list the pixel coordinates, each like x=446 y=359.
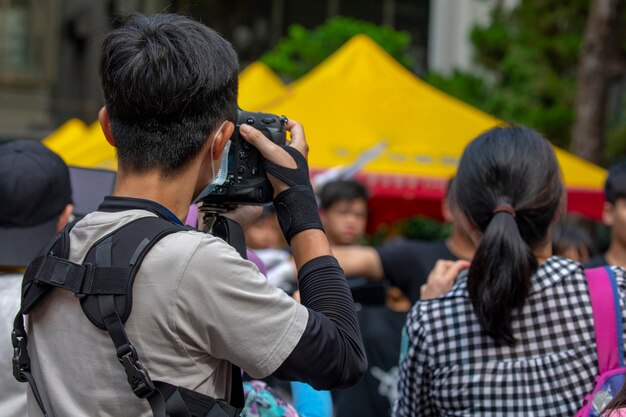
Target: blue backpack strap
x=619 y=325
x=607 y=316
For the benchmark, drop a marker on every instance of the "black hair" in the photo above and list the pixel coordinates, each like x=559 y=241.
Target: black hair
x=615 y=185
x=167 y=81
x=569 y=235
x=341 y=190
x=449 y=195
x=517 y=167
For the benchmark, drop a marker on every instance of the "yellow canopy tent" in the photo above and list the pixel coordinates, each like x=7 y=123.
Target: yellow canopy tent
x=82 y=146
x=85 y=146
x=66 y=136
x=361 y=96
x=259 y=86
x=358 y=98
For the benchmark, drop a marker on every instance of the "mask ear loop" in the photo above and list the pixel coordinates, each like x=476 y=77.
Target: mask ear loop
x=211 y=150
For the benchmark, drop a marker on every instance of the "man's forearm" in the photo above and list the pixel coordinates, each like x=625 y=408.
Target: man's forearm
x=359 y=261
x=308 y=245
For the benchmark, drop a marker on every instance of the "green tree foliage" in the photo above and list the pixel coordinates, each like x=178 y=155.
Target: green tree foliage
x=616 y=144
x=303 y=49
x=417 y=227
x=530 y=54
x=424 y=228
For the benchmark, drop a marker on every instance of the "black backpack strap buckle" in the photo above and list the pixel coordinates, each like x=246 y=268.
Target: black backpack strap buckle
x=137 y=376
x=87 y=282
x=21 y=360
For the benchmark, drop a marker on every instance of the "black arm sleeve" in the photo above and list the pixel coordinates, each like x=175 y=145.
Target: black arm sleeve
x=330 y=353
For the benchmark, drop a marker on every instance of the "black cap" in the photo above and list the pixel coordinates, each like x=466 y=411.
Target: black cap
x=34 y=190
x=615 y=185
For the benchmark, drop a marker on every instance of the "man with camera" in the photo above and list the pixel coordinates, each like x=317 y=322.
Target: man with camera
x=170 y=88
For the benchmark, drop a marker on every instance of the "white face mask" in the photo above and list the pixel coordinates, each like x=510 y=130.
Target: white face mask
x=220 y=177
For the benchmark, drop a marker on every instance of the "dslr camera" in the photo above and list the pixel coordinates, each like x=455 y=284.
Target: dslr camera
x=246 y=182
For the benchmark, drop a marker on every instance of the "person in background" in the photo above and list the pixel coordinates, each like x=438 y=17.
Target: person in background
x=382 y=310
x=614 y=217
x=265 y=239
x=572 y=241
x=262 y=400
x=381 y=329
x=265 y=233
x=343 y=210
x=406 y=263
x=35 y=203
x=514 y=335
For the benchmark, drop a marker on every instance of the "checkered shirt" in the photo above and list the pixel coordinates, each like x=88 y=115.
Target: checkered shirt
x=449 y=367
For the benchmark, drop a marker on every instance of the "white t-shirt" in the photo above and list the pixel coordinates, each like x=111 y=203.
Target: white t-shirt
x=12 y=393
x=197 y=306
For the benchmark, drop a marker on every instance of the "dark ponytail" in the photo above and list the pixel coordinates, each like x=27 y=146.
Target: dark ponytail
x=509 y=187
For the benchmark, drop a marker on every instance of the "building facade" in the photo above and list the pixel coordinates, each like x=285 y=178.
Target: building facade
x=451 y=22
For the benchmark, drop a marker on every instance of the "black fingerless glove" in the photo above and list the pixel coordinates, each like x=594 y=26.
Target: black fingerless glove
x=296 y=207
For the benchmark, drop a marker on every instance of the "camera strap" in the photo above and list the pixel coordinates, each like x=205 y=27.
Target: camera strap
x=103 y=283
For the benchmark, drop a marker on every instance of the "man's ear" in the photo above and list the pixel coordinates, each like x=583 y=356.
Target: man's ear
x=103 y=117
x=65 y=216
x=209 y=154
x=221 y=139
x=608 y=216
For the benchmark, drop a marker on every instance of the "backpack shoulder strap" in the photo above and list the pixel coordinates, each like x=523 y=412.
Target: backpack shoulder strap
x=91 y=281
x=32 y=293
x=607 y=317
x=112 y=264
x=104 y=283
x=33 y=290
x=127 y=248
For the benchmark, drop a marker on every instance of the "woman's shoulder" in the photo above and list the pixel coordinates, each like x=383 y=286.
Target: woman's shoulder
x=450 y=306
x=555 y=272
x=619 y=273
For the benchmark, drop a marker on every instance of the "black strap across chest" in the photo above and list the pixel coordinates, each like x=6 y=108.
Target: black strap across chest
x=104 y=283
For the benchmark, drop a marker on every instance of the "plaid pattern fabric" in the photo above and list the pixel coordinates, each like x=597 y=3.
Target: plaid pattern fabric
x=451 y=368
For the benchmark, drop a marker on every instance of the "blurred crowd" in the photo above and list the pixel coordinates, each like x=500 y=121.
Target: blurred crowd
x=386 y=281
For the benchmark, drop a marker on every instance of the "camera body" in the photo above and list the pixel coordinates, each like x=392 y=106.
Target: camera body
x=246 y=182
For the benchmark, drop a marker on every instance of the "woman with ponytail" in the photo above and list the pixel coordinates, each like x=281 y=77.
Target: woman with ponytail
x=514 y=336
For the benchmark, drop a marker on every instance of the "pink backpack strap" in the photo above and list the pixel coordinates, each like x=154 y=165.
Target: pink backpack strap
x=607 y=317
